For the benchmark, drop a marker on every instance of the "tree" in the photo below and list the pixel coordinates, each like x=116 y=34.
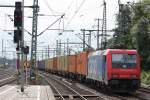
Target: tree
x=121 y=38
x=133 y=31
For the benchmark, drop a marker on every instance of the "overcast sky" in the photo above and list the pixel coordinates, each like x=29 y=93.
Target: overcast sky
x=79 y=14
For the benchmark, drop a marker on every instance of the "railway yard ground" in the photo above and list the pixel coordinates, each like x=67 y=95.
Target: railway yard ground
x=52 y=87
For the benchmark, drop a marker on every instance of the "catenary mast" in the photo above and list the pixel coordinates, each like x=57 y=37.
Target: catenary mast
x=34 y=37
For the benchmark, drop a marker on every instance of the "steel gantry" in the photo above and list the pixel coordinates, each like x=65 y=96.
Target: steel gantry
x=104 y=28
x=34 y=38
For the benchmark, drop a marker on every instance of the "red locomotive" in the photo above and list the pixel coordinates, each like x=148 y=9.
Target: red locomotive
x=117 y=69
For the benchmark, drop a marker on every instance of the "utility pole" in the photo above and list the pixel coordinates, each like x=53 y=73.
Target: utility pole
x=3 y=53
x=19 y=37
x=34 y=40
x=83 y=30
x=121 y=18
x=89 y=38
x=68 y=43
x=57 y=48
x=64 y=52
x=42 y=55
x=98 y=20
x=98 y=35
x=48 y=51
x=104 y=28
x=68 y=46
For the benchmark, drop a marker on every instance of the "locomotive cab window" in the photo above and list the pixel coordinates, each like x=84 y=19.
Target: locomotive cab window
x=124 y=60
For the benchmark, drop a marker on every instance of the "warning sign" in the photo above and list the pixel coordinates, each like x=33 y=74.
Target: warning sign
x=26 y=64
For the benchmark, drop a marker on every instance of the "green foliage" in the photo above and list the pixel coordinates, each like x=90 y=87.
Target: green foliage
x=133 y=31
x=145 y=77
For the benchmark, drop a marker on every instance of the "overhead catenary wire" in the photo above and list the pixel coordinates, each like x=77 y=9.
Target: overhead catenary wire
x=75 y=13
x=59 y=26
x=13 y=20
x=49 y=7
x=70 y=5
x=51 y=25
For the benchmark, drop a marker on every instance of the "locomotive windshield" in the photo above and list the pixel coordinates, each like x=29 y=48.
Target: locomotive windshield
x=124 y=60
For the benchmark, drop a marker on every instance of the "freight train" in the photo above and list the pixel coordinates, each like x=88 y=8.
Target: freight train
x=115 y=69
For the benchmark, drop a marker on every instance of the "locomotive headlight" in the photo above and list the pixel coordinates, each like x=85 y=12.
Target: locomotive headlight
x=115 y=75
x=133 y=76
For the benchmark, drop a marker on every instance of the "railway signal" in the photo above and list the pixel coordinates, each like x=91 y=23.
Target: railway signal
x=18 y=15
x=26 y=50
x=17 y=35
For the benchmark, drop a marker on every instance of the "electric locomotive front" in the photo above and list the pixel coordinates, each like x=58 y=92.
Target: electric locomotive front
x=123 y=70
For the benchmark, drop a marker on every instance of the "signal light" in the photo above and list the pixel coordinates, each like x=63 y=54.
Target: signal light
x=26 y=50
x=17 y=48
x=18 y=15
x=17 y=5
x=17 y=35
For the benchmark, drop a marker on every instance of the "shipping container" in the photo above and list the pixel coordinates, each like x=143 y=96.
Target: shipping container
x=58 y=63
x=64 y=63
x=82 y=60
x=51 y=64
x=72 y=63
x=46 y=64
x=55 y=66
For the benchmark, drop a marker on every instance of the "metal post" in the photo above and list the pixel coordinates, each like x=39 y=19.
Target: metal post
x=104 y=28
x=3 y=52
x=60 y=48
x=89 y=39
x=64 y=50
x=34 y=40
x=48 y=51
x=83 y=39
x=21 y=46
x=67 y=46
x=56 y=47
x=42 y=54
x=17 y=65
x=26 y=68
x=98 y=33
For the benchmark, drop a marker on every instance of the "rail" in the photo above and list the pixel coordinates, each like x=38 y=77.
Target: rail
x=59 y=94
x=78 y=94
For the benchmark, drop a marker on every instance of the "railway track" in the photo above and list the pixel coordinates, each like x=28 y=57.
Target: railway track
x=145 y=90
x=110 y=95
x=142 y=93
x=7 y=80
x=64 y=91
x=99 y=94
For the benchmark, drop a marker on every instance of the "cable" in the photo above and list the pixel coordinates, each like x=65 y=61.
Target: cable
x=70 y=5
x=48 y=5
x=75 y=13
x=51 y=25
x=59 y=26
x=27 y=32
x=13 y=20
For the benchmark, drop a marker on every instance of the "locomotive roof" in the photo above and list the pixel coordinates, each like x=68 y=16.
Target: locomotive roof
x=104 y=52
x=99 y=52
x=129 y=50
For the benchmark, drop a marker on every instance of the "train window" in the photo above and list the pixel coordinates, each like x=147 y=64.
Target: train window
x=124 y=60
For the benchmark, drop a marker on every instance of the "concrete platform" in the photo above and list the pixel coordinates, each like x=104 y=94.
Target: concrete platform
x=32 y=92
